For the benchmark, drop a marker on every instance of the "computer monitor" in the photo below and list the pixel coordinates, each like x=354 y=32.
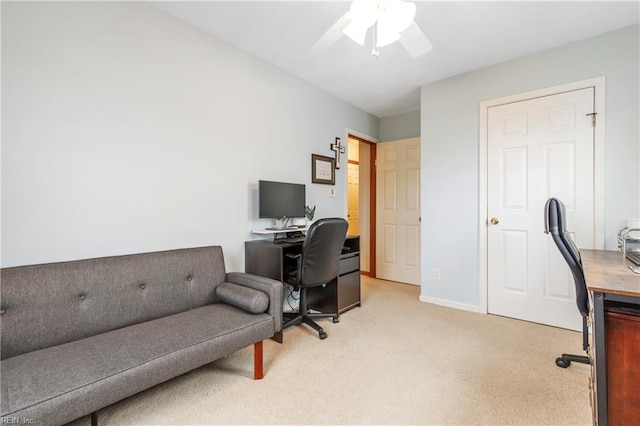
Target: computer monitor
x=280 y=200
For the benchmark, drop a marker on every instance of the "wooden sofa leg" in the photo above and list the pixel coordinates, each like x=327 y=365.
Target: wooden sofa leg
x=94 y=419
x=258 y=372
x=277 y=337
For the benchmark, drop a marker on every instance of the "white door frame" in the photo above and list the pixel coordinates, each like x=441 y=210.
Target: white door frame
x=598 y=83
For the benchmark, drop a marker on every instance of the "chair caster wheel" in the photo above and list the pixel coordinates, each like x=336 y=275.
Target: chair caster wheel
x=322 y=335
x=336 y=320
x=563 y=363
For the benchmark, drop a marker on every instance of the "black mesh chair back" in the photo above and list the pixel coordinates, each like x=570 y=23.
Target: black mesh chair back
x=556 y=225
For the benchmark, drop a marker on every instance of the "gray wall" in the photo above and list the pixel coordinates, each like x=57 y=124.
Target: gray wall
x=449 y=117
x=126 y=130
x=401 y=126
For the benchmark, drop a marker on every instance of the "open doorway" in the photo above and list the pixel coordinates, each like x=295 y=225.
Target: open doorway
x=361 y=199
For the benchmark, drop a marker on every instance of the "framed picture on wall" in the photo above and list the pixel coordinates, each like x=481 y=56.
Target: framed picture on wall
x=323 y=170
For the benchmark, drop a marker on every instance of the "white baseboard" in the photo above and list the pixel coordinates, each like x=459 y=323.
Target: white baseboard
x=450 y=304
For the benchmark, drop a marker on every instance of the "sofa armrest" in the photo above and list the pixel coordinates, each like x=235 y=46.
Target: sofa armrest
x=271 y=287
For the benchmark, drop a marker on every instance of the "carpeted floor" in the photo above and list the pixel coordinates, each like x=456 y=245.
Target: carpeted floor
x=395 y=360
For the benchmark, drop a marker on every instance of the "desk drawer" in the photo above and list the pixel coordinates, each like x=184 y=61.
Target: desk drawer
x=348 y=291
x=349 y=264
x=622 y=331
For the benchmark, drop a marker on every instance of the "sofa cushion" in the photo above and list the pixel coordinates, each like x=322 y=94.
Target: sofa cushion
x=62 y=302
x=245 y=298
x=45 y=377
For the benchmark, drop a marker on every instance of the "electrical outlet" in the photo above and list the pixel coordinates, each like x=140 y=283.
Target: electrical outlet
x=436 y=273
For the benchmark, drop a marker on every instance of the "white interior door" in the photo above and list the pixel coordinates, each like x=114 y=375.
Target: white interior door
x=398 y=211
x=537 y=149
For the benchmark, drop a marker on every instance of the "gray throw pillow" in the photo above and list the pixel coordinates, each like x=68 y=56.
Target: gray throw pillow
x=245 y=298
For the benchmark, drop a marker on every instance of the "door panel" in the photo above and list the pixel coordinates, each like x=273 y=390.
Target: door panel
x=390 y=190
x=560 y=287
x=514 y=179
x=413 y=192
x=412 y=250
x=560 y=167
x=398 y=217
x=537 y=149
x=515 y=248
x=390 y=246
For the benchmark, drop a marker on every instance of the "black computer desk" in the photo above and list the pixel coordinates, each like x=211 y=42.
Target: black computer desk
x=269 y=259
x=615 y=348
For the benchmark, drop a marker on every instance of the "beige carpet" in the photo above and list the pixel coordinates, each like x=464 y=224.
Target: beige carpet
x=395 y=360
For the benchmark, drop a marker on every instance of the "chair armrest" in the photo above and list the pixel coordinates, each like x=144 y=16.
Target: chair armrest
x=271 y=287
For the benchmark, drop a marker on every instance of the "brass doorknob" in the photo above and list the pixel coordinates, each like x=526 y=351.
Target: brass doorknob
x=494 y=221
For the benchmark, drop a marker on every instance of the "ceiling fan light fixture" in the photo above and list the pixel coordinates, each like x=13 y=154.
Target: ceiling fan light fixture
x=398 y=15
x=356 y=32
x=363 y=14
x=394 y=16
x=385 y=35
x=392 y=20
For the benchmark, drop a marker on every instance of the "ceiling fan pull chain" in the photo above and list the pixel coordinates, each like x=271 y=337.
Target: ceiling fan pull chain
x=374 y=51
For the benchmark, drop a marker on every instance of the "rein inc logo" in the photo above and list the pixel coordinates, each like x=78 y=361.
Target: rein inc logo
x=17 y=421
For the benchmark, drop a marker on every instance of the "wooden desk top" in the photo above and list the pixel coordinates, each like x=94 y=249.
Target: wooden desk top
x=608 y=272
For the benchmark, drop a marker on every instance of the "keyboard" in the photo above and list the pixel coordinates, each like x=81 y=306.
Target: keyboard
x=290 y=240
x=634 y=257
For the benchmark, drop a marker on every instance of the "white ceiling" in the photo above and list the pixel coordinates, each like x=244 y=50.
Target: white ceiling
x=465 y=35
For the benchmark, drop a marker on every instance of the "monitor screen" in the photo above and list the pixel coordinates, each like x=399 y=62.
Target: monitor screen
x=277 y=200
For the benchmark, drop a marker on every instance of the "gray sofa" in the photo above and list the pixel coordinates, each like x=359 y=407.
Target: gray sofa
x=78 y=336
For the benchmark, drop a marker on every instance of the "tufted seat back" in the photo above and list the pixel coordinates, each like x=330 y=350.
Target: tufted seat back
x=51 y=304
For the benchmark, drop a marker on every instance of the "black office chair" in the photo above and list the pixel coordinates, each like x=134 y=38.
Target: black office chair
x=555 y=224
x=317 y=264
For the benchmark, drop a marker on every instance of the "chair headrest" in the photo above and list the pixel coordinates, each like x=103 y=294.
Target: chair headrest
x=555 y=216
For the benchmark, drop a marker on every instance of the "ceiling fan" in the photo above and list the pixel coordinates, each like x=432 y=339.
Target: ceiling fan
x=392 y=20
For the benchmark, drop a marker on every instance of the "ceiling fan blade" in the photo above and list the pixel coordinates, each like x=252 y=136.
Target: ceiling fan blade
x=414 y=41
x=331 y=36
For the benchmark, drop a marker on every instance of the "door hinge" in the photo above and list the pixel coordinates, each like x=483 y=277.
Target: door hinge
x=593 y=118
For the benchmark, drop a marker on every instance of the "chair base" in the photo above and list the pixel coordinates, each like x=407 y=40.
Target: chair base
x=564 y=361
x=291 y=319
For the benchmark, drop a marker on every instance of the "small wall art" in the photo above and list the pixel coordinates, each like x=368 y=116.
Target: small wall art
x=339 y=149
x=323 y=170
